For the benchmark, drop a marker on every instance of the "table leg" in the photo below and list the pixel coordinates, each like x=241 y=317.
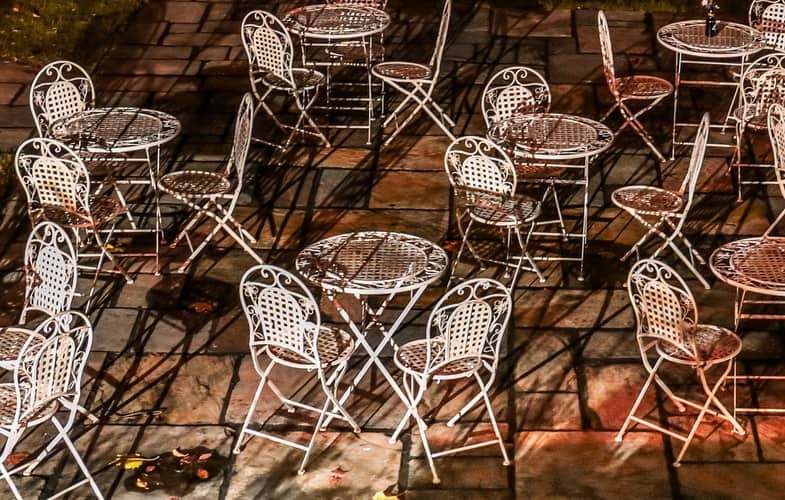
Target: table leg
x=676 y=84
x=374 y=353
x=586 y=163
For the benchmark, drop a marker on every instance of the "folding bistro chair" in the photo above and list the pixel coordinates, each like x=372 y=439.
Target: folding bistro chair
x=484 y=181
x=57 y=185
x=762 y=85
x=270 y=52
x=519 y=89
x=285 y=325
x=668 y=329
x=768 y=17
x=215 y=194
x=641 y=88
x=47 y=374
x=417 y=82
x=661 y=209
x=462 y=340
x=50 y=285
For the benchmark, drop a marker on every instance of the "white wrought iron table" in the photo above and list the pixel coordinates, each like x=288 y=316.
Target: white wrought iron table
x=111 y=134
x=753 y=266
x=730 y=48
x=550 y=139
x=323 y=25
x=372 y=264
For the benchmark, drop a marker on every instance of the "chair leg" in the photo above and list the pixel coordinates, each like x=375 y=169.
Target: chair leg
x=252 y=408
x=308 y=450
x=484 y=393
x=10 y=482
x=638 y=400
x=77 y=458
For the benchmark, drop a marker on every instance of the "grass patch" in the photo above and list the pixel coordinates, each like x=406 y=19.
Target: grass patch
x=38 y=31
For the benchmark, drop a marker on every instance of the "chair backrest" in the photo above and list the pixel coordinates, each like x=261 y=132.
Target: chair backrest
x=763 y=84
x=243 y=126
x=663 y=304
x=477 y=164
x=49 y=372
x=268 y=45
x=696 y=159
x=441 y=40
x=607 y=53
x=376 y=4
x=281 y=313
x=768 y=16
x=53 y=175
x=777 y=136
x=50 y=271
x=514 y=90
x=61 y=89
x=470 y=320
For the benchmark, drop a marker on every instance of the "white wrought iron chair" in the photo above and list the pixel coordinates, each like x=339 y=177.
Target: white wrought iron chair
x=50 y=284
x=776 y=124
x=762 y=85
x=46 y=375
x=57 y=185
x=768 y=17
x=668 y=331
x=484 y=181
x=60 y=89
x=639 y=88
x=519 y=89
x=285 y=325
x=270 y=55
x=214 y=194
x=659 y=209
x=462 y=341
x=417 y=82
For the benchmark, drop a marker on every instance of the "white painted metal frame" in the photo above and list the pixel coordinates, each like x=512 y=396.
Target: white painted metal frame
x=214 y=194
x=547 y=140
x=270 y=56
x=659 y=209
x=638 y=88
x=285 y=326
x=762 y=84
x=372 y=265
x=61 y=89
x=57 y=185
x=730 y=49
x=417 y=82
x=668 y=328
x=339 y=34
x=462 y=339
x=520 y=90
x=48 y=373
x=485 y=182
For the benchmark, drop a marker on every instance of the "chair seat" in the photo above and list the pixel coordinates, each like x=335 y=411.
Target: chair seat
x=712 y=344
x=752 y=117
x=304 y=79
x=412 y=356
x=402 y=71
x=333 y=346
x=8 y=407
x=11 y=342
x=195 y=184
x=499 y=210
x=647 y=199
x=527 y=171
x=103 y=209
x=643 y=87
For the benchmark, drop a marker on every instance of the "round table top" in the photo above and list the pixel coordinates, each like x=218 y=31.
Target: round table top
x=689 y=37
x=116 y=130
x=372 y=263
x=551 y=136
x=336 y=21
x=753 y=264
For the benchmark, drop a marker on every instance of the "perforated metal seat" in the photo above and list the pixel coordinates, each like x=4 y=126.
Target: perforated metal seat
x=8 y=410
x=403 y=71
x=103 y=209
x=648 y=200
x=333 y=346
x=754 y=117
x=12 y=339
x=302 y=79
x=501 y=211
x=643 y=87
x=412 y=357
x=195 y=184
x=707 y=344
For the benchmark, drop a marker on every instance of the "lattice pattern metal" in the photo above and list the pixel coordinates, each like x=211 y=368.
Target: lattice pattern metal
x=514 y=90
x=60 y=90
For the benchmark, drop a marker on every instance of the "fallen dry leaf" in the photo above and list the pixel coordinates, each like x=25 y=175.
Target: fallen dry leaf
x=15 y=459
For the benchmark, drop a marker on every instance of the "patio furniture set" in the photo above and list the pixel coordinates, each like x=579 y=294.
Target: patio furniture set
x=82 y=173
